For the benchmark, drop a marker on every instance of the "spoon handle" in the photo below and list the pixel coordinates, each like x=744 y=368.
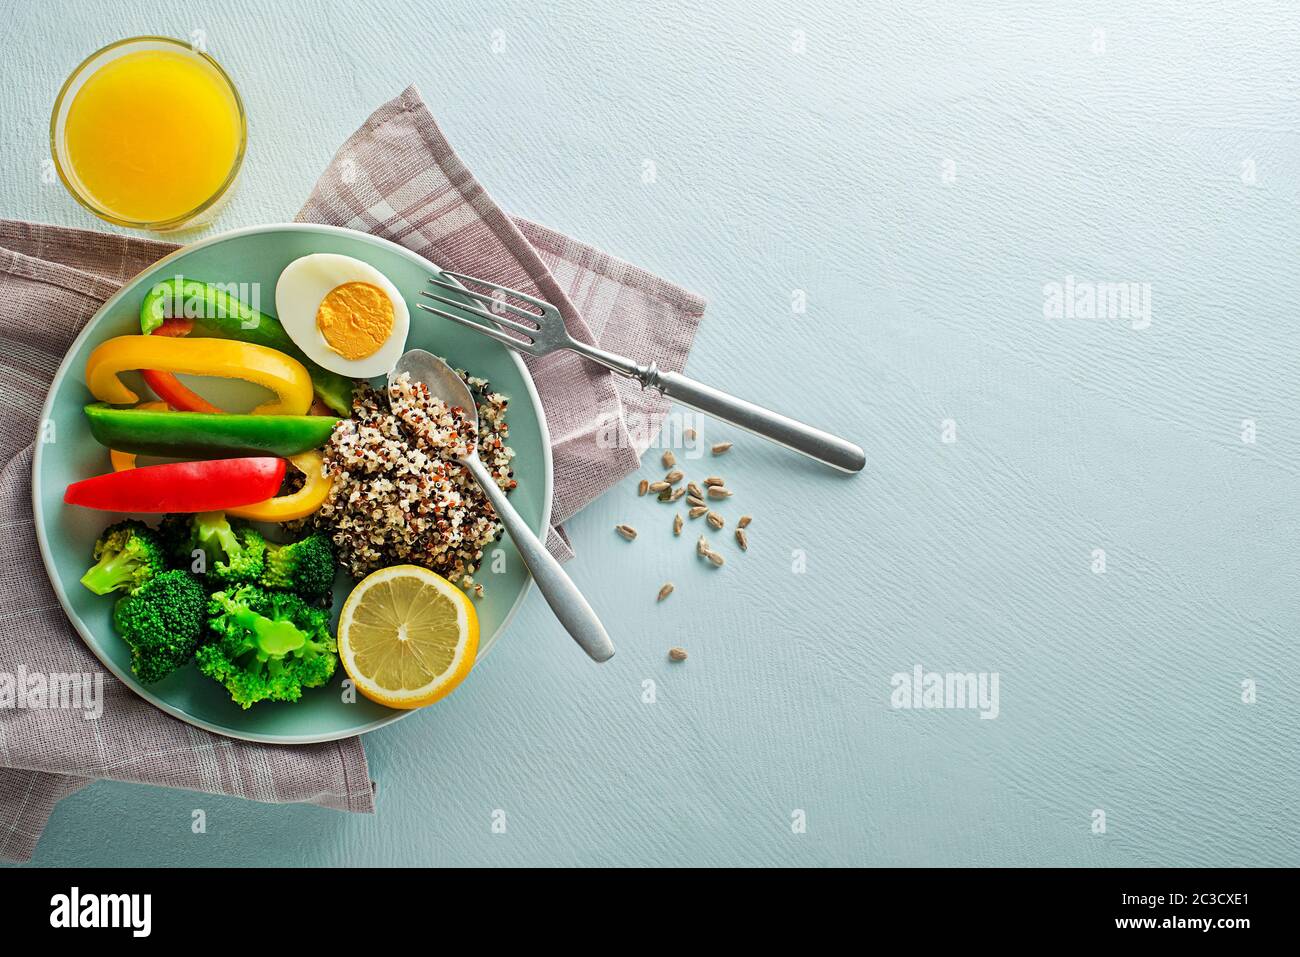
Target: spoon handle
x=556 y=587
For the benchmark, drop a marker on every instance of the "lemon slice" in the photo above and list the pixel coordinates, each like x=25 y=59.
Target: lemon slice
x=407 y=636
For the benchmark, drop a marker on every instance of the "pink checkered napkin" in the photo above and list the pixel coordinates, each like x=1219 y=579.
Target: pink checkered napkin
x=396 y=177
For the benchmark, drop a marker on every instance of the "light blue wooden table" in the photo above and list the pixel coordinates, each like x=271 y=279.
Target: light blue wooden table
x=922 y=175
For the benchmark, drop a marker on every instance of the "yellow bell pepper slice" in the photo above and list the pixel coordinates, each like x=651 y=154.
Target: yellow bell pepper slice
x=283 y=508
x=284 y=375
x=299 y=504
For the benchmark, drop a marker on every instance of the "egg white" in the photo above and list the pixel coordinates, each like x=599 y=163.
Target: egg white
x=302 y=287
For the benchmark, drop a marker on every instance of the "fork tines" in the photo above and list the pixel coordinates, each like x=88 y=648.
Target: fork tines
x=496 y=287
x=497 y=305
x=514 y=342
x=524 y=341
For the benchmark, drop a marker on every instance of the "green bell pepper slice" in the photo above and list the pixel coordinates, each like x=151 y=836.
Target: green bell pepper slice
x=220 y=314
x=209 y=435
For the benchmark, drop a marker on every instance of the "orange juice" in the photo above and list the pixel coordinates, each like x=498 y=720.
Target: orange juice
x=152 y=135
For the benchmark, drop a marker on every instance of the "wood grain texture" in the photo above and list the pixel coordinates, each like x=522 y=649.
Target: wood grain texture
x=823 y=171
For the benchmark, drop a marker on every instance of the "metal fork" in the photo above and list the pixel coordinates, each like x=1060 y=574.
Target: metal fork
x=542 y=332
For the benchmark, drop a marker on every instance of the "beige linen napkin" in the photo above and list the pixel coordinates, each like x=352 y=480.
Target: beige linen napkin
x=397 y=177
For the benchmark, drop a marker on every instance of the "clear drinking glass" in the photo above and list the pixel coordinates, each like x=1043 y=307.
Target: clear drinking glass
x=66 y=164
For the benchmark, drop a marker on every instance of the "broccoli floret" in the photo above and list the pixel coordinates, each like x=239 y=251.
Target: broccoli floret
x=244 y=559
x=162 y=622
x=127 y=555
x=266 y=645
x=305 y=568
x=232 y=553
x=174 y=534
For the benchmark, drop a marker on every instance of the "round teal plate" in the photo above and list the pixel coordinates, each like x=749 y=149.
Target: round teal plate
x=66 y=452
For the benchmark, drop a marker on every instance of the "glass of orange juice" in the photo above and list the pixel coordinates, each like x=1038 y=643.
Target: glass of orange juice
x=149 y=133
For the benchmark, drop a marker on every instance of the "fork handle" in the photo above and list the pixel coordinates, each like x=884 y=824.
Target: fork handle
x=796 y=436
x=556 y=587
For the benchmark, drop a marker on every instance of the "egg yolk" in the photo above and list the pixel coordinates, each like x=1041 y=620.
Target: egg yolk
x=355 y=319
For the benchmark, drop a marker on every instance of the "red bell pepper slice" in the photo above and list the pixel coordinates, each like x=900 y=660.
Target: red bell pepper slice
x=209 y=486
x=175 y=328
x=165 y=385
x=171 y=390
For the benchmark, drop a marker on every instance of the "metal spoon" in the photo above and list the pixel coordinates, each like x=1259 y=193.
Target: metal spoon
x=556 y=587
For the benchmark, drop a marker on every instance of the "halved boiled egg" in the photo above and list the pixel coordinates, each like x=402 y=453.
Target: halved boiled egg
x=343 y=314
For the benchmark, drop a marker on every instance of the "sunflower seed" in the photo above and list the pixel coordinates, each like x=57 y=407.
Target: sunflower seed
x=666 y=495
x=675 y=476
x=743 y=539
x=677 y=524
x=702 y=546
x=643 y=487
x=720 y=447
x=669 y=459
x=714 y=557
x=713 y=480
x=694 y=501
x=627 y=531
x=657 y=486
x=716 y=520
x=717 y=491
x=697 y=510
x=665 y=591
x=693 y=489
x=690 y=435
x=677 y=654
x=677 y=495
x=744 y=521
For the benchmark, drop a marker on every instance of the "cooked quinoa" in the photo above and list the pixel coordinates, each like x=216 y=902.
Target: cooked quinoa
x=399 y=496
